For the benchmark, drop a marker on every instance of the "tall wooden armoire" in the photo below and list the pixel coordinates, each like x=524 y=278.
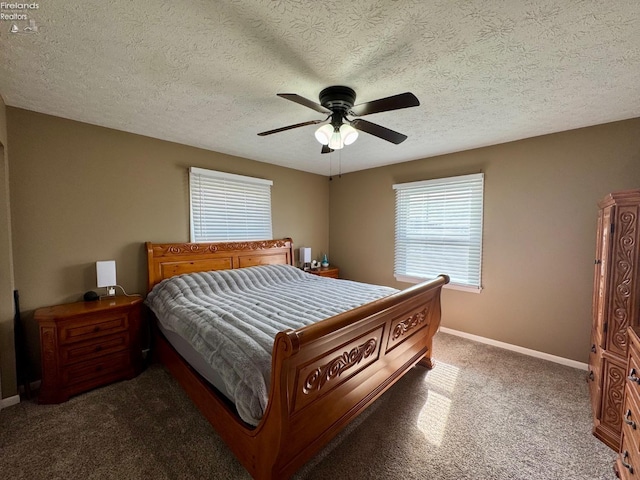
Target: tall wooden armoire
x=616 y=305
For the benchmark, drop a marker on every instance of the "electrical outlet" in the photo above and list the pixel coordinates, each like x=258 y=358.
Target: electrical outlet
x=111 y=291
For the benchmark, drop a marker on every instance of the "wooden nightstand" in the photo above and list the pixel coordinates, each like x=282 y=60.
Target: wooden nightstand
x=88 y=344
x=330 y=271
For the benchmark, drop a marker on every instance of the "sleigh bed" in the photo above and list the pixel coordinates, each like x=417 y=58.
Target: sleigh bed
x=322 y=375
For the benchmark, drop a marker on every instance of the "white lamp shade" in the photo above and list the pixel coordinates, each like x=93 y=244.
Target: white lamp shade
x=305 y=254
x=348 y=134
x=106 y=273
x=336 y=142
x=323 y=134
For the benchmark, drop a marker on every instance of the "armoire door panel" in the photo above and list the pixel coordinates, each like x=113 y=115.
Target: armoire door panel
x=614 y=376
x=623 y=309
x=594 y=375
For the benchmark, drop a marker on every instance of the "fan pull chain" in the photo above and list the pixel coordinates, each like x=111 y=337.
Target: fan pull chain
x=330 y=163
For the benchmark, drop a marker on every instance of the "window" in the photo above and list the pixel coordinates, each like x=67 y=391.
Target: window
x=227 y=207
x=439 y=230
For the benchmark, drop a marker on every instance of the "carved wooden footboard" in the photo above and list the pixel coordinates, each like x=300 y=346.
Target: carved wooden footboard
x=323 y=375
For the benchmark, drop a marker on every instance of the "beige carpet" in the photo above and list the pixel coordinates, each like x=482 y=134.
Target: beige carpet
x=481 y=413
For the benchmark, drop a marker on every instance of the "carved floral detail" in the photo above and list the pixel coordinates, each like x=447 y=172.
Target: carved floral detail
x=189 y=248
x=624 y=268
x=615 y=394
x=410 y=323
x=321 y=375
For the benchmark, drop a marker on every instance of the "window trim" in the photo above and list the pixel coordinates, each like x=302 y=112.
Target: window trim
x=448 y=286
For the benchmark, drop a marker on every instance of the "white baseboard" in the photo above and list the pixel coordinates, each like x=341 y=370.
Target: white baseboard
x=516 y=348
x=9 y=401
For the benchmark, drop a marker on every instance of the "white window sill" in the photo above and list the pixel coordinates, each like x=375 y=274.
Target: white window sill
x=449 y=286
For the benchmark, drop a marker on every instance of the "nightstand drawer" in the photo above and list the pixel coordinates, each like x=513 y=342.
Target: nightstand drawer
x=92 y=371
x=330 y=272
x=100 y=325
x=78 y=352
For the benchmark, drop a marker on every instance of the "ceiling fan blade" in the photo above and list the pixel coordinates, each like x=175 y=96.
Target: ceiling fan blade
x=282 y=129
x=303 y=101
x=326 y=149
x=378 y=131
x=396 y=102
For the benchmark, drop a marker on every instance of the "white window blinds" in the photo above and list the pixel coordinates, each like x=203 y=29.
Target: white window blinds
x=439 y=230
x=227 y=207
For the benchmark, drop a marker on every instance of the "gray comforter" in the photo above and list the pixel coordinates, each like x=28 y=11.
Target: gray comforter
x=231 y=317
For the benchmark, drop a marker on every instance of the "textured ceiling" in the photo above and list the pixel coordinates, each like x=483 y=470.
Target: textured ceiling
x=206 y=73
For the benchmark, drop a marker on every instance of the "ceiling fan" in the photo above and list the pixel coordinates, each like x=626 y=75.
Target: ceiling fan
x=338 y=102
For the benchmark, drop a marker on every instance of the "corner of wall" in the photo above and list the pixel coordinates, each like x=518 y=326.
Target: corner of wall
x=8 y=383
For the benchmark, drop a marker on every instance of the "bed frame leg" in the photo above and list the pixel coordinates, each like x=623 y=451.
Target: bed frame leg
x=426 y=362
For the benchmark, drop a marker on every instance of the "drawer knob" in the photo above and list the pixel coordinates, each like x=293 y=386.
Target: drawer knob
x=96 y=329
x=626 y=465
x=591 y=376
x=593 y=348
x=98 y=368
x=632 y=376
x=628 y=421
x=98 y=348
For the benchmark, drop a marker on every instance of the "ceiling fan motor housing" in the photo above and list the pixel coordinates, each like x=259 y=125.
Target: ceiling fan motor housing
x=337 y=98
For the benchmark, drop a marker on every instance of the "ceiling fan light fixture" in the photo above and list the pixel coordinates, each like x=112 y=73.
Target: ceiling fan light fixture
x=324 y=133
x=348 y=134
x=336 y=141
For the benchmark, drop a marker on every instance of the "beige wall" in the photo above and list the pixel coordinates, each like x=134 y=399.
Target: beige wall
x=539 y=231
x=81 y=193
x=7 y=354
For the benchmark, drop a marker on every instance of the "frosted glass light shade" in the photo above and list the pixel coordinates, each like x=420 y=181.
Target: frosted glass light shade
x=336 y=138
x=323 y=134
x=348 y=134
x=336 y=142
x=106 y=273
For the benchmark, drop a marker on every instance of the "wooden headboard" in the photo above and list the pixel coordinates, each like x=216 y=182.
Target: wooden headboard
x=165 y=260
